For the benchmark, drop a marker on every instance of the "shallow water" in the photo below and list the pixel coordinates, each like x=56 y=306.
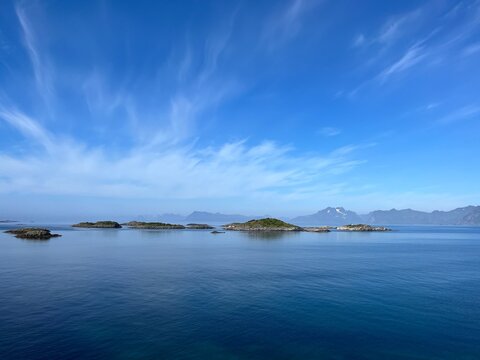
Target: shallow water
x=136 y=294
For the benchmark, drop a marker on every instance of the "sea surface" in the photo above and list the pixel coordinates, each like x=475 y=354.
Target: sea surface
x=413 y=293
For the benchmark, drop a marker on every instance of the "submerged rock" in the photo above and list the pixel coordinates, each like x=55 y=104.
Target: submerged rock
x=32 y=233
x=153 y=225
x=267 y=224
x=362 y=227
x=217 y=232
x=99 y=225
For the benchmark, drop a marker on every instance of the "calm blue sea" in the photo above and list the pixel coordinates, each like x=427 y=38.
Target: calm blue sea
x=413 y=293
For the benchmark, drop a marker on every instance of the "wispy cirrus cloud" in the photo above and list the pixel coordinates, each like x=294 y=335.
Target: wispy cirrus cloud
x=162 y=159
x=471 y=49
x=329 y=131
x=391 y=30
x=463 y=113
x=68 y=167
x=27 y=126
x=434 y=37
x=413 y=56
x=285 y=24
x=41 y=69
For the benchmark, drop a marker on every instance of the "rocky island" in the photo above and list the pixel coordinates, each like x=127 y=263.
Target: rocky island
x=199 y=226
x=362 y=227
x=317 y=229
x=267 y=224
x=99 y=225
x=32 y=233
x=153 y=225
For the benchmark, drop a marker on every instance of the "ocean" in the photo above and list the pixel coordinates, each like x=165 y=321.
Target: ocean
x=413 y=293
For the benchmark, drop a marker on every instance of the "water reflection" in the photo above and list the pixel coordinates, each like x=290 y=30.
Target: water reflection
x=268 y=235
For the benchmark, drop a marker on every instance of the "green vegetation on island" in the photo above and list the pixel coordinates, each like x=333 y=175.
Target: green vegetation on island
x=32 y=233
x=267 y=224
x=99 y=225
x=362 y=227
x=153 y=225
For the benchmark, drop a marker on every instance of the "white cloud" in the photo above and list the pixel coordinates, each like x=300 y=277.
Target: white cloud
x=413 y=56
x=27 y=127
x=229 y=170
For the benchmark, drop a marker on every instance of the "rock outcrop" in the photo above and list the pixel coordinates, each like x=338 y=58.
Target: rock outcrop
x=32 y=233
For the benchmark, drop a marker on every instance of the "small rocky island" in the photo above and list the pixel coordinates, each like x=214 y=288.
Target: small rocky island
x=267 y=224
x=99 y=225
x=32 y=233
x=153 y=225
x=317 y=229
x=362 y=227
x=199 y=226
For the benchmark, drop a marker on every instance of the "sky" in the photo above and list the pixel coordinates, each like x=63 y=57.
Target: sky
x=120 y=108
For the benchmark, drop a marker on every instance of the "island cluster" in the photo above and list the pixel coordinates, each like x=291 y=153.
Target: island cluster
x=266 y=224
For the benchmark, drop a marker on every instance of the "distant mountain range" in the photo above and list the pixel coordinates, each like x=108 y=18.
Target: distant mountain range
x=469 y=215
x=336 y=216
x=205 y=217
x=202 y=216
x=329 y=216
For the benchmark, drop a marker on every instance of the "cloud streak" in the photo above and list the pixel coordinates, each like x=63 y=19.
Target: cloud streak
x=41 y=71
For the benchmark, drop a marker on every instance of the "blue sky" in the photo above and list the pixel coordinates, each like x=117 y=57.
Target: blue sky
x=258 y=107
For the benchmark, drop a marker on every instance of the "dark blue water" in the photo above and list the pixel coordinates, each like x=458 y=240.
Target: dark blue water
x=132 y=294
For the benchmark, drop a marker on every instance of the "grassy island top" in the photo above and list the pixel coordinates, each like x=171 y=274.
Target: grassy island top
x=153 y=225
x=99 y=224
x=264 y=225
